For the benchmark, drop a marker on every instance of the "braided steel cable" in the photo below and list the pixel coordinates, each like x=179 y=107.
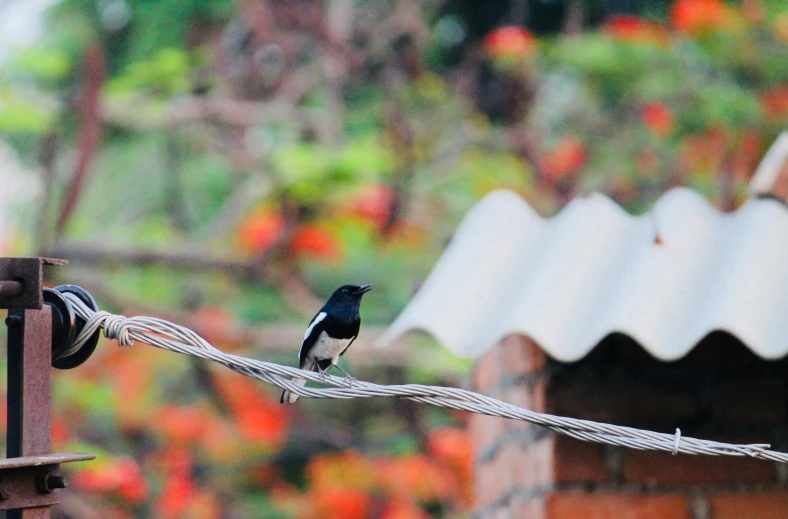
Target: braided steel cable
x=169 y=336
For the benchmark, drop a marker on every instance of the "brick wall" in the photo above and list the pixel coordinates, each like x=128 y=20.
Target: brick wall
x=720 y=391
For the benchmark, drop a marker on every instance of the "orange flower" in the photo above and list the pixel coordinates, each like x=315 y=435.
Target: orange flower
x=130 y=381
x=403 y=509
x=265 y=422
x=509 y=42
x=453 y=449
x=775 y=102
x=314 y=241
x=704 y=152
x=339 y=503
x=259 y=231
x=564 y=160
x=348 y=469
x=658 y=117
x=634 y=29
x=258 y=418
x=701 y=16
x=452 y=446
x=416 y=477
x=215 y=324
x=174 y=460
x=781 y=26
x=176 y=496
x=181 y=424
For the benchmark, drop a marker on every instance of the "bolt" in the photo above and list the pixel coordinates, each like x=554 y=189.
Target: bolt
x=11 y=288
x=46 y=482
x=13 y=321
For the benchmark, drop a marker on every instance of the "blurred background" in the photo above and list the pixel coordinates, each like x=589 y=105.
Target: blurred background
x=227 y=164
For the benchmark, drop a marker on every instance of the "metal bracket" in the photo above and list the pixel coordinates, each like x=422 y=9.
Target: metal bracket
x=22 y=282
x=29 y=482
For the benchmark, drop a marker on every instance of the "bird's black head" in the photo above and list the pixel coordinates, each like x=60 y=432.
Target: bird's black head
x=349 y=295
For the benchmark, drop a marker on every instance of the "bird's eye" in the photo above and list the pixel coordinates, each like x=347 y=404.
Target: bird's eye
x=345 y=290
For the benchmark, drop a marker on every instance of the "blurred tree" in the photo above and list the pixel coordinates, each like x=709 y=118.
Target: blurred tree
x=227 y=164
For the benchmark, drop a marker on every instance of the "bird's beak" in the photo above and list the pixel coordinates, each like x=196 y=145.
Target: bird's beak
x=363 y=289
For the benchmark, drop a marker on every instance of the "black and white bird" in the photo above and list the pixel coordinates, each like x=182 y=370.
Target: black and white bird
x=329 y=334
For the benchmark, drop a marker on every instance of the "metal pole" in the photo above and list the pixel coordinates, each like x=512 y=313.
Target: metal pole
x=29 y=395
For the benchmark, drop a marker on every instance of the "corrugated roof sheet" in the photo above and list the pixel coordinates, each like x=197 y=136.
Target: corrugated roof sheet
x=569 y=281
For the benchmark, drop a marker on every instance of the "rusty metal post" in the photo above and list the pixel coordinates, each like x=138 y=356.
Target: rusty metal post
x=29 y=392
x=30 y=476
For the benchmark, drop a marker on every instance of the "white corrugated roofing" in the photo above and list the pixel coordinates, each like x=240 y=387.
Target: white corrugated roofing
x=569 y=281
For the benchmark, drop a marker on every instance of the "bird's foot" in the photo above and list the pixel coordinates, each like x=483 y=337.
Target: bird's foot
x=323 y=377
x=348 y=379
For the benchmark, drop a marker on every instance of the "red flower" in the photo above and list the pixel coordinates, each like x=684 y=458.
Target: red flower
x=176 y=496
x=701 y=16
x=314 y=241
x=634 y=29
x=341 y=503
x=259 y=231
x=564 y=160
x=509 y=42
x=658 y=117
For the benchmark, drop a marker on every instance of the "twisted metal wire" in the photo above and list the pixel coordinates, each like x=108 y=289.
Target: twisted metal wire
x=166 y=335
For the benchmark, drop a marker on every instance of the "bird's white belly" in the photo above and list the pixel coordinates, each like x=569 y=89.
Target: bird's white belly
x=328 y=348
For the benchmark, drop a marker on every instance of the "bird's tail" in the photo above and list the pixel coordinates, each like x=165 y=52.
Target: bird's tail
x=289 y=396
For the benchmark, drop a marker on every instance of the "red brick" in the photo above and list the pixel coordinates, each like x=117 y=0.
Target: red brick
x=606 y=505
x=515 y=355
x=750 y=505
x=494 y=477
x=488 y=370
x=531 y=508
x=532 y=467
x=486 y=430
x=521 y=355
x=578 y=461
x=662 y=468
x=514 y=466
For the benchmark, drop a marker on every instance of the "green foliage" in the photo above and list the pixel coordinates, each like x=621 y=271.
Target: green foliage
x=167 y=73
x=44 y=64
x=18 y=115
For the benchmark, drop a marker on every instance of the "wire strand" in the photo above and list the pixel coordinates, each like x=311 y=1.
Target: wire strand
x=169 y=336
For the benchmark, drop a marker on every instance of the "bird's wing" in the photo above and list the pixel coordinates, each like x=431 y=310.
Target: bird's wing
x=310 y=336
x=348 y=345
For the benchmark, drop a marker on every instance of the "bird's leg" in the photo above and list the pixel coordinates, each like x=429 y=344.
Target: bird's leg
x=348 y=378
x=322 y=373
